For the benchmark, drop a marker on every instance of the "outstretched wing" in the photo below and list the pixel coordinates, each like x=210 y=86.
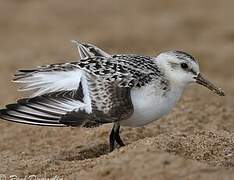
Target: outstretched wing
x=68 y=95
x=49 y=78
x=90 y=92
x=45 y=110
x=89 y=50
x=54 y=88
x=125 y=70
x=105 y=103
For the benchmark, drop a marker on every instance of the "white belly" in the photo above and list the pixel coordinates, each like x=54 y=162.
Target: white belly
x=150 y=104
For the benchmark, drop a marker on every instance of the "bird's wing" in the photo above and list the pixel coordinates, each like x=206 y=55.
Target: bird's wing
x=95 y=102
x=49 y=78
x=95 y=90
x=89 y=50
x=50 y=110
x=109 y=102
x=124 y=70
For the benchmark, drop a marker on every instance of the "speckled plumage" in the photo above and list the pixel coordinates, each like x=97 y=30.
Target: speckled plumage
x=125 y=70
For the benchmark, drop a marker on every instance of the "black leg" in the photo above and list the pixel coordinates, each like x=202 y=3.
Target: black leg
x=114 y=137
x=117 y=136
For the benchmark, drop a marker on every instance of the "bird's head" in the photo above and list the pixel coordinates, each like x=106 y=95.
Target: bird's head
x=182 y=69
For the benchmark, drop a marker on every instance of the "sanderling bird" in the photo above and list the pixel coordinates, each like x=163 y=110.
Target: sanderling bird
x=126 y=90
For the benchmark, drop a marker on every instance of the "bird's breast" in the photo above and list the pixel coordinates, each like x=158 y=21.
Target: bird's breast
x=150 y=103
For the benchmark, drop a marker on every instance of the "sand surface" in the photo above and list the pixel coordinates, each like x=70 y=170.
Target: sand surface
x=195 y=141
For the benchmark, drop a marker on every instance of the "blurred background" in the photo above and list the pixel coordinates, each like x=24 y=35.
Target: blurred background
x=34 y=33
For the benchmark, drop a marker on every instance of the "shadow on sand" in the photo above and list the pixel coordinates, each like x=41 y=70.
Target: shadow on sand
x=83 y=153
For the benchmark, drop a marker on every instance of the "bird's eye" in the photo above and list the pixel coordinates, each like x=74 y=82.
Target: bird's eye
x=184 y=66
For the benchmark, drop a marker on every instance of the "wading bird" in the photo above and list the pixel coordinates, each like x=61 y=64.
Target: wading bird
x=125 y=89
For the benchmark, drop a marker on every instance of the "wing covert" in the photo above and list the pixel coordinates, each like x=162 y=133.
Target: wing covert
x=125 y=70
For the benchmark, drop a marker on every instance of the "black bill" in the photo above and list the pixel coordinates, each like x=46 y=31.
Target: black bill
x=201 y=80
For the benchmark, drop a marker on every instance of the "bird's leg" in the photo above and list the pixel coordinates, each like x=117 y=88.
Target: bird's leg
x=112 y=139
x=115 y=137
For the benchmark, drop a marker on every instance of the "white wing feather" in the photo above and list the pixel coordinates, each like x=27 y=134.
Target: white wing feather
x=46 y=82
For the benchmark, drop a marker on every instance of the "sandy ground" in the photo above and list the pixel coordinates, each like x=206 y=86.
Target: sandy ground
x=195 y=141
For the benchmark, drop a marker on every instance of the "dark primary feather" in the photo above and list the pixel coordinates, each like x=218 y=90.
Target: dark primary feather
x=48 y=110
